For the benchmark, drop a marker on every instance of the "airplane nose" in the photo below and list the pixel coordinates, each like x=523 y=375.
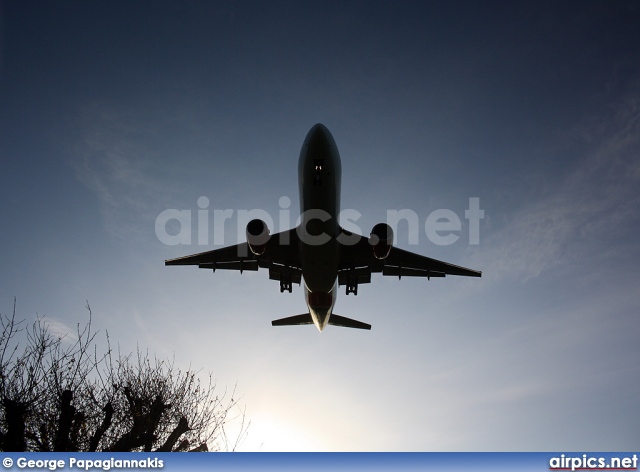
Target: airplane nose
x=319 y=142
x=318 y=132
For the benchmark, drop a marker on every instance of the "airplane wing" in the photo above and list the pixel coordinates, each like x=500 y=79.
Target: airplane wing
x=281 y=257
x=357 y=263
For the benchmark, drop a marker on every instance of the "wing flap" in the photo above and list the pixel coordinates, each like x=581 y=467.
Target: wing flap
x=281 y=257
x=239 y=252
x=240 y=265
x=408 y=272
x=405 y=259
x=361 y=275
x=279 y=271
x=358 y=253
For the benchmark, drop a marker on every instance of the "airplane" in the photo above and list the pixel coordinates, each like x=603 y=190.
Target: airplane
x=319 y=251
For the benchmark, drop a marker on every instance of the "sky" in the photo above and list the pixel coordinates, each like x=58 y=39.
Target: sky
x=113 y=112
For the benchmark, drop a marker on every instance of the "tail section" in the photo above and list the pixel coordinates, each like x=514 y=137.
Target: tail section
x=335 y=320
x=302 y=319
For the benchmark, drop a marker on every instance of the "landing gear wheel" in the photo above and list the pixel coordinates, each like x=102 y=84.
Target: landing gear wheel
x=352 y=288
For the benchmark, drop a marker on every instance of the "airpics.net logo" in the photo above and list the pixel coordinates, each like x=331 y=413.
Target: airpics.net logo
x=589 y=462
x=442 y=227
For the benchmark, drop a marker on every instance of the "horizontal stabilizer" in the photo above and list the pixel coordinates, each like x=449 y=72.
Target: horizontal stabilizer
x=302 y=319
x=337 y=320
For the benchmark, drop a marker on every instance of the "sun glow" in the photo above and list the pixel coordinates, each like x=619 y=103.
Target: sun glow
x=268 y=434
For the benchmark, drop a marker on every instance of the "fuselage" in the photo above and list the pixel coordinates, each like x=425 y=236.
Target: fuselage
x=319 y=175
x=318 y=250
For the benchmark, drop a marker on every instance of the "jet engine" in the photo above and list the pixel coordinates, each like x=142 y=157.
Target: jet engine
x=257 y=236
x=381 y=239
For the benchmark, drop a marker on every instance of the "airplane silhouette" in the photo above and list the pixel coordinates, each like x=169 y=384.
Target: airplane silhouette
x=319 y=250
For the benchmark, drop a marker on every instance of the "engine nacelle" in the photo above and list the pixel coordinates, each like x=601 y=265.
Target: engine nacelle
x=381 y=239
x=257 y=236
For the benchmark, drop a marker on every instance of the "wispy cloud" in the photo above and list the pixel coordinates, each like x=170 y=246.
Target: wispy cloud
x=117 y=162
x=587 y=215
x=59 y=329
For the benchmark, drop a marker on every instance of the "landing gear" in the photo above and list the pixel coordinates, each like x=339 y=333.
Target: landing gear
x=352 y=284
x=285 y=281
x=285 y=286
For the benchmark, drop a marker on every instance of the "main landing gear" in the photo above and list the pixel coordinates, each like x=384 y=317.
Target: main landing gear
x=352 y=285
x=285 y=282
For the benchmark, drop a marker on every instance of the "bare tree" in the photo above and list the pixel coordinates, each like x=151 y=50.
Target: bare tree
x=58 y=394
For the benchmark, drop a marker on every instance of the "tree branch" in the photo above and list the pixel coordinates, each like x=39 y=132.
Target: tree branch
x=183 y=427
x=67 y=412
x=15 y=413
x=106 y=422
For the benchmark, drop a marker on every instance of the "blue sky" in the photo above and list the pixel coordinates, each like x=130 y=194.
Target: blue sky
x=111 y=113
